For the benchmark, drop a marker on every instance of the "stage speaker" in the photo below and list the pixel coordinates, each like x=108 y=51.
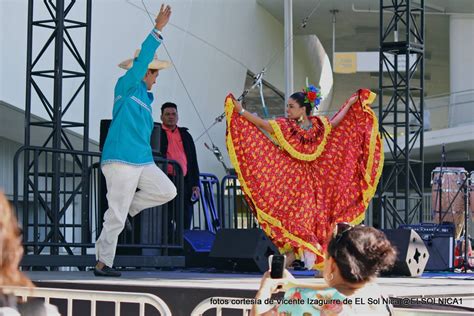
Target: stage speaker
x=245 y=250
x=199 y=240
x=412 y=254
x=439 y=240
x=155 y=139
x=197 y=246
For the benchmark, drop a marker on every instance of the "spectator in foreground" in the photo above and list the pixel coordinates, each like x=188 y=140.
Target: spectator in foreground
x=356 y=254
x=11 y=252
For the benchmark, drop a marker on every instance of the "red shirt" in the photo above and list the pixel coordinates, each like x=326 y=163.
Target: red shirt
x=175 y=149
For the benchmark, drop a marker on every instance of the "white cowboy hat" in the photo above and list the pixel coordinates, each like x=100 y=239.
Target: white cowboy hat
x=155 y=63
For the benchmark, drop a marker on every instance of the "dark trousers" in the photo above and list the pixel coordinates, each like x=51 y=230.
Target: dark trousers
x=188 y=206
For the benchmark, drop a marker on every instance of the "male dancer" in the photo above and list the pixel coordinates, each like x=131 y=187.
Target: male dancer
x=127 y=161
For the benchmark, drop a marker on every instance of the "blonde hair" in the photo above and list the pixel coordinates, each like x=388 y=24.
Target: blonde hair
x=11 y=249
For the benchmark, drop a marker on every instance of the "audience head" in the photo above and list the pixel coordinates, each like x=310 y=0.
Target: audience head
x=359 y=253
x=169 y=115
x=11 y=249
x=168 y=105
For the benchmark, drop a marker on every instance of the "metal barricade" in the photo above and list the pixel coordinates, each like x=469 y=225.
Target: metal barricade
x=117 y=298
x=157 y=230
x=222 y=303
x=61 y=212
x=208 y=215
x=234 y=210
x=52 y=204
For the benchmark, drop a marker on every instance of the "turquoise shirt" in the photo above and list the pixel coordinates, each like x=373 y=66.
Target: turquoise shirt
x=128 y=139
x=366 y=301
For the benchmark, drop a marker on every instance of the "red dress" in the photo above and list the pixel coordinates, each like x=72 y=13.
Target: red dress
x=312 y=179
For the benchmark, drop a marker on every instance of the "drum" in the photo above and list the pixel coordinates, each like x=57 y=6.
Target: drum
x=449 y=185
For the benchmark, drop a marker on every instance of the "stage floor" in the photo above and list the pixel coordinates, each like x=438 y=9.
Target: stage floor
x=201 y=285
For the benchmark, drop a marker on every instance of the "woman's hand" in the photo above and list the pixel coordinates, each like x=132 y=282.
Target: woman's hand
x=237 y=106
x=272 y=286
x=353 y=99
x=288 y=280
x=254 y=119
x=269 y=286
x=163 y=17
x=345 y=108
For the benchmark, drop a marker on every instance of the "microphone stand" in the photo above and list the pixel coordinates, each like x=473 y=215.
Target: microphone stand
x=440 y=184
x=439 y=194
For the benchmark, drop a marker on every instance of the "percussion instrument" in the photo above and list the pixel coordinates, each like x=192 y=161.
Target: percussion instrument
x=448 y=184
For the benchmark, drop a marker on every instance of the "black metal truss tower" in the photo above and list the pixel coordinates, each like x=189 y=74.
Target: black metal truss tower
x=401 y=83
x=56 y=164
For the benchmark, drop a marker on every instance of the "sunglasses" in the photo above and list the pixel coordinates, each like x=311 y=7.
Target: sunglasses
x=340 y=229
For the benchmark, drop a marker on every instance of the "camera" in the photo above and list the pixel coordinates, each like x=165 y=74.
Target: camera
x=277 y=265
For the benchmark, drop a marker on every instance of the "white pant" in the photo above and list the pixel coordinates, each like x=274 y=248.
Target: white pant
x=122 y=181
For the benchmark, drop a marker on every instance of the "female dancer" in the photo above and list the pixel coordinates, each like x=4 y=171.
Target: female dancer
x=305 y=173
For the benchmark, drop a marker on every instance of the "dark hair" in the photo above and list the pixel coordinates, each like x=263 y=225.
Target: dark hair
x=299 y=97
x=361 y=253
x=152 y=70
x=168 y=105
x=11 y=249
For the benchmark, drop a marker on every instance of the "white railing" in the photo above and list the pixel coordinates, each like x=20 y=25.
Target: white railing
x=426 y=312
x=221 y=303
x=218 y=303
x=93 y=297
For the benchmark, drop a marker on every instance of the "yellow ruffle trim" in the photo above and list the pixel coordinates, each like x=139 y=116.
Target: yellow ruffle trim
x=295 y=153
x=369 y=193
x=262 y=216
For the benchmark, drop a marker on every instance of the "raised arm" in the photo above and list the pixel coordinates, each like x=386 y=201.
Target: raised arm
x=140 y=64
x=345 y=107
x=260 y=123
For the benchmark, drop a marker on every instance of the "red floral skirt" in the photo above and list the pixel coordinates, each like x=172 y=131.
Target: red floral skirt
x=300 y=183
